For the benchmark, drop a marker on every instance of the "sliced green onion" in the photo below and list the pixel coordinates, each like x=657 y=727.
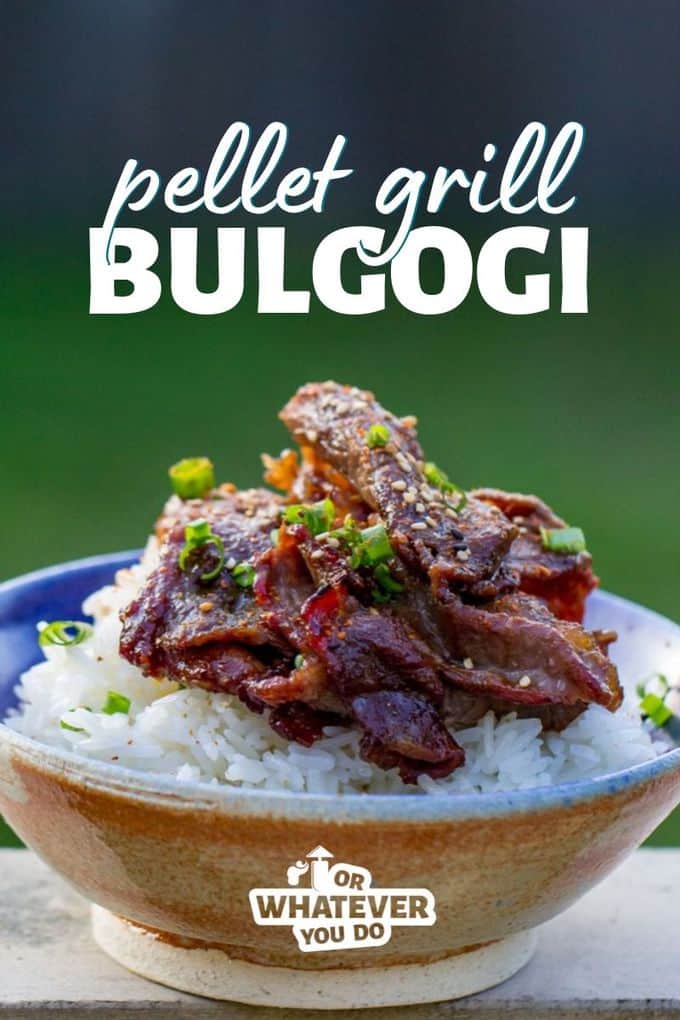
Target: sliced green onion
x=385 y=580
x=295 y=513
x=197 y=534
x=192 y=477
x=655 y=709
x=349 y=532
x=374 y=546
x=563 y=540
x=369 y=547
x=73 y=729
x=299 y=660
x=657 y=684
x=435 y=476
x=653 y=694
x=661 y=682
x=377 y=435
x=116 y=703
x=64 y=633
x=244 y=575
x=316 y=517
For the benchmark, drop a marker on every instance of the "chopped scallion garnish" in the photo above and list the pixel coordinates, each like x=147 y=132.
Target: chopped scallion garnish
x=197 y=534
x=192 y=477
x=244 y=575
x=563 y=540
x=349 y=532
x=299 y=660
x=369 y=547
x=657 y=684
x=372 y=548
x=655 y=709
x=116 y=703
x=316 y=517
x=435 y=476
x=386 y=581
x=64 y=633
x=73 y=729
x=377 y=435
x=659 y=703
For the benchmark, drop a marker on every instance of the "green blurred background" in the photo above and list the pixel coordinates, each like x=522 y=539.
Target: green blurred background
x=581 y=409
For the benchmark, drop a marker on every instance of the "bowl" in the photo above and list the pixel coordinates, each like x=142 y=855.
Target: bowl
x=439 y=896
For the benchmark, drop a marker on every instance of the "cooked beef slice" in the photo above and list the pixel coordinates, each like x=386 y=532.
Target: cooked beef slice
x=562 y=580
x=459 y=548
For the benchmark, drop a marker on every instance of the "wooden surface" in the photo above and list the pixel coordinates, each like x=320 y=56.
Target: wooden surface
x=614 y=954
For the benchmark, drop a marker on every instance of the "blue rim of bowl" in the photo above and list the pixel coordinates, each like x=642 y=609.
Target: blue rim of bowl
x=387 y=807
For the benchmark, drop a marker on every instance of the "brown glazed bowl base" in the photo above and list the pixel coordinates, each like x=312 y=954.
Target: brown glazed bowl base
x=211 y=972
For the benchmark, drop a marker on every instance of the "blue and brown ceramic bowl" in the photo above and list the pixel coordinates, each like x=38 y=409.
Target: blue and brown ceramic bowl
x=170 y=866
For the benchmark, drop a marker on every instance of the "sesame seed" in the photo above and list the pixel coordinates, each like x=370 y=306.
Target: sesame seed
x=409 y=421
x=399 y=485
x=468 y=663
x=523 y=530
x=431 y=521
x=312 y=435
x=317 y=554
x=402 y=462
x=525 y=681
x=334 y=543
x=205 y=607
x=409 y=498
x=231 y=563
x=518 y=520
x=463 y=554
x=419 y=526
x=451 y=513
x=420 y=507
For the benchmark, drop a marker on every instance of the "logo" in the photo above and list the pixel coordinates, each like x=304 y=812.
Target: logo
x=341 y=908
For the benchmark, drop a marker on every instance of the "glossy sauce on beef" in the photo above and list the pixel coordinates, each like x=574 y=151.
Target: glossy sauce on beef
x=476 y=613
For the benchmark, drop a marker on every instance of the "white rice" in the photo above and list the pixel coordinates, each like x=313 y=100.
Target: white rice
x=196 y=735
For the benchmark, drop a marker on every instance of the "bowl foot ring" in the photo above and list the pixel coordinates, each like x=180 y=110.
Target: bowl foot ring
x=212 y=973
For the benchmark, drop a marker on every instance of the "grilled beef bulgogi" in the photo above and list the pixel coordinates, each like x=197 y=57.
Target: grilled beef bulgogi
x=372 y=592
